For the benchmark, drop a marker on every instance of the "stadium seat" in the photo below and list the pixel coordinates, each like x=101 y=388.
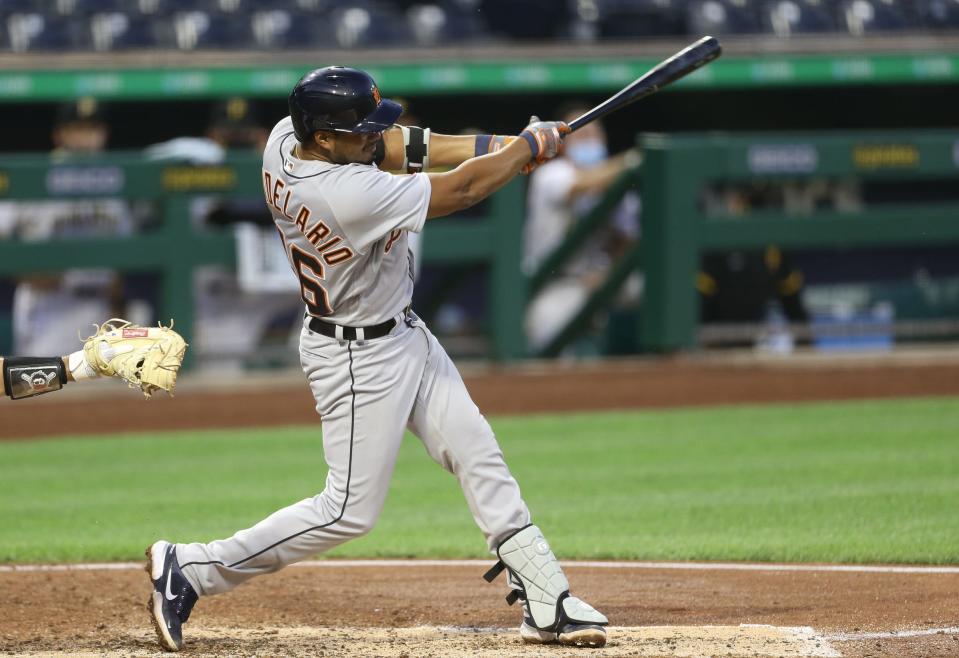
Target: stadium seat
x=86 y=7
x=216 y=6
x=526 y=19
x=866 y=16
x=213 y=7
x=29 y=32
x=8 y=7
x=196 y=30
x=636 y=18
x=939 y=14
x=118 y=31
x=721 y=17
x=169 y=7
x=787 y=17
x=284 y=28
x=368 y=25
x=441 y=22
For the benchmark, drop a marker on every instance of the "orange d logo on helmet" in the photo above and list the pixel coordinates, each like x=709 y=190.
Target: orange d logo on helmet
x=376 y=95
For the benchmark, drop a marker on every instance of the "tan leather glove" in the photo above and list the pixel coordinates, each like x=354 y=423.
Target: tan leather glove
x=148 y=358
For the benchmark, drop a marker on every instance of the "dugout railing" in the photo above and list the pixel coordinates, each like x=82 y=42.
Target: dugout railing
x=586 y=227
x=173 y=249
x=678 y=227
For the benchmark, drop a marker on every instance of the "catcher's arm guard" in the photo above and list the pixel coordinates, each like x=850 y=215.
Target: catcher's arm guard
x=148 y=358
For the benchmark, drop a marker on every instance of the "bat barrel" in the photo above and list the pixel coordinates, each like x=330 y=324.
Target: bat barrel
x=666 y=72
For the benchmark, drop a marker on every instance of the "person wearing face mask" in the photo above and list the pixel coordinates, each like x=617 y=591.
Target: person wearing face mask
x=560 y=192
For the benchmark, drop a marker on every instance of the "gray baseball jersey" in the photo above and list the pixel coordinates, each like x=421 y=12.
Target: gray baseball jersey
x=344 y=228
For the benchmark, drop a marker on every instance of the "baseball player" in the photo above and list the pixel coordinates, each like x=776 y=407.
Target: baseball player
x=373 y=366
x=147 y=358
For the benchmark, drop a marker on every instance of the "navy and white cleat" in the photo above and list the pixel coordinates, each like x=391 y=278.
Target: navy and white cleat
x=573 y=635
x=172 y=598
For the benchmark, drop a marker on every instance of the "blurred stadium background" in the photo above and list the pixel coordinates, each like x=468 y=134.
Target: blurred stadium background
x=797 y=195
x=780 y=227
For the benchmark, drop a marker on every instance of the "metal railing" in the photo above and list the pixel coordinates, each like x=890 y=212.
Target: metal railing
x=174 y=248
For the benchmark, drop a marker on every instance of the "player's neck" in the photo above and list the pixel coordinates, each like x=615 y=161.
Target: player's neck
x=304 y=153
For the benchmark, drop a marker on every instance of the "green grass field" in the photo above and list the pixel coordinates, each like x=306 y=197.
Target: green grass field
x=837 y=482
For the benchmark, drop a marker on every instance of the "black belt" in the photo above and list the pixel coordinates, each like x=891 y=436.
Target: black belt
x=351 y=333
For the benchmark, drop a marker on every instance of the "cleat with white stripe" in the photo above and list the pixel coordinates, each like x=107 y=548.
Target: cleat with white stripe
x=173 y=597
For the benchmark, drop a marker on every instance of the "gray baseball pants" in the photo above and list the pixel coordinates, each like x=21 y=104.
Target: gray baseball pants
x=367 y=393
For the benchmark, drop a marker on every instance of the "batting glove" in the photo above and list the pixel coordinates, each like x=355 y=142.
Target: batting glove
x=545 y=138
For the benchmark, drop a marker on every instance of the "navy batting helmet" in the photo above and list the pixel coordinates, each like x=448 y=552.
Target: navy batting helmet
x=339 y=99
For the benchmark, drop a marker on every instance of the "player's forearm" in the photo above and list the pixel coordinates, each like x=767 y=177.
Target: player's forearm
x=488 y=173
x=476 y=179
x=454 y=150
x=393 y=149
x=444 y=150
x=451 y=150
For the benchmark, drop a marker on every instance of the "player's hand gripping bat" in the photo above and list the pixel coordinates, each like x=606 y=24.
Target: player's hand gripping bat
x=666 y=72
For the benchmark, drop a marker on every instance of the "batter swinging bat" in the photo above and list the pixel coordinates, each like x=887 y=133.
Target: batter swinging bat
x=666 y=72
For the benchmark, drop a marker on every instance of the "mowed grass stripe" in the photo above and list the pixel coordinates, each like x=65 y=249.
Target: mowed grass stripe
x=874 y=481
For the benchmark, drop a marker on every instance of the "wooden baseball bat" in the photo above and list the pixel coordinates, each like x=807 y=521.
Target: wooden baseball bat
x=666 y=72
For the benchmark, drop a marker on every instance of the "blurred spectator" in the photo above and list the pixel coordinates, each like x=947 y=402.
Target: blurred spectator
x=236 y=310
x=80 y=129
x=233 y=125
x=760 y=286
x=561 y=191
x=47 y=309
x=738 y=286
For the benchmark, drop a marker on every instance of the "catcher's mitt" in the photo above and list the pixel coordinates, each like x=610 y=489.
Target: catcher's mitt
x=148 y=358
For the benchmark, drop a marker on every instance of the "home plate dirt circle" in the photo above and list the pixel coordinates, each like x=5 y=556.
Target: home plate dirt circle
x=441 y=609
x=745 y=641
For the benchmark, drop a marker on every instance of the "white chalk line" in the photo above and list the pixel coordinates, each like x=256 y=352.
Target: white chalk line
x=587 y=564
x=890 y=635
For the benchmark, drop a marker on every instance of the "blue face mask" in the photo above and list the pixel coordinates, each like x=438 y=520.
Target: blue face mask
x=587 y=153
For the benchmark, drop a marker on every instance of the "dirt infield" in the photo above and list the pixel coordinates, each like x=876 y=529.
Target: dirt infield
x=448 y=610
x=230 y=402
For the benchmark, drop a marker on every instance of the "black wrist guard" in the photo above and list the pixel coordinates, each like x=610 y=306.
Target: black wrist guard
x=26 y=376
x=417 y=142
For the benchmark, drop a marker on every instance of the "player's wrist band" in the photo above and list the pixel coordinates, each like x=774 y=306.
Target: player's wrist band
x=531 y=140
x=26 y=376
x=483 y=143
